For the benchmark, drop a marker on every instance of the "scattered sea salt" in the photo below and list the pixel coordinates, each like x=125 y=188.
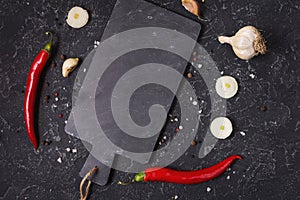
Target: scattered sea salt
x=195 y=103
x=68 y=149
x=242 y=133
x=56 y=98
x=176 y=119
x=74 y=150
x=228 y=177
x=199 y=66
x=180 y=127
x=175 y=197
x=252 y=76
x=59 y=160
x=208 y=189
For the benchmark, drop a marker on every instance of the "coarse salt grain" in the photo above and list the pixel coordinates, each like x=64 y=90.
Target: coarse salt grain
x=59 y=160
x=208 y=189
x=68 y=149
x=180 y=127
x=242 y=133
x=252 y=76
x=74 y=150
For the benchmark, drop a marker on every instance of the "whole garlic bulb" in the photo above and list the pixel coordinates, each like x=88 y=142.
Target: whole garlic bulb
x=246 y=43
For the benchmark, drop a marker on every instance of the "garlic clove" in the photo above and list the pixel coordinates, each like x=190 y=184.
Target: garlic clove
x=226 y=87
x=69 y=65
x=192 y=6
x=221 y=127
x=246 y=43
x=77 y=17
x=244 y=54
x=241 y=42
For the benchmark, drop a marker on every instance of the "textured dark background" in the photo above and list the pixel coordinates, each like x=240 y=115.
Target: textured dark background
x=270 y=147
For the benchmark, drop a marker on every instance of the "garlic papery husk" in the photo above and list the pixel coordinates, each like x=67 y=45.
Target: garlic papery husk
x=192 y=6
x=69 y=65
x=246 y=43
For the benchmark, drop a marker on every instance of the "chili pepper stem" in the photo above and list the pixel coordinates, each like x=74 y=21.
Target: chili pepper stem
x=139 y=177
x=125 y=183
x=48 y=46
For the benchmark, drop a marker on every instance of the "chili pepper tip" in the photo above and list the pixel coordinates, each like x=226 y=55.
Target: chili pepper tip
x=239 y=157
x=36 y=146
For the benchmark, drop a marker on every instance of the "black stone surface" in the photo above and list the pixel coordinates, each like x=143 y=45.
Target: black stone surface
x=270 y=146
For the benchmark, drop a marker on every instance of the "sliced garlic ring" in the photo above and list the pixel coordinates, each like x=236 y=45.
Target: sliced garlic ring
x=226 y=87
x=77 y=17
x=221 y=127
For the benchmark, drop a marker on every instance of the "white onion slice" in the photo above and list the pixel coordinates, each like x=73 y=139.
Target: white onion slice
x=226 y=87
x=221 y=127
x=77 y=17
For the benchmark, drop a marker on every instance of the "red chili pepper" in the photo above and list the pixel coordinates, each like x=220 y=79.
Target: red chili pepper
x=185 y=177
x=31 y=89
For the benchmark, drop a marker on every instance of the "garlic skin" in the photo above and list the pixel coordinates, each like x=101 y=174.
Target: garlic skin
x=192 y=6
x=246 y=43
x=69 y=65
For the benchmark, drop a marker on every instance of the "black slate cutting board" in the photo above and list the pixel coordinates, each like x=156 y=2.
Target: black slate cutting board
x=129 y=15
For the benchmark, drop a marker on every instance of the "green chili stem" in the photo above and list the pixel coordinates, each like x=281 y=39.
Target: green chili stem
x=48 y=46
x=123 y=183
x=139 y=177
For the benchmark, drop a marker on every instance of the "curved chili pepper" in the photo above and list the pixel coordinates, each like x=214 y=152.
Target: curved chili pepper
x=31 y=89
x=185 y=177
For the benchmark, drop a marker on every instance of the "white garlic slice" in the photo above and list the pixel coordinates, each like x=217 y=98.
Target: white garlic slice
x=77 y=17
x=221 y=127
x=69 y=65
x=226 y=87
